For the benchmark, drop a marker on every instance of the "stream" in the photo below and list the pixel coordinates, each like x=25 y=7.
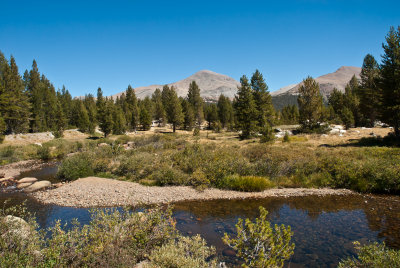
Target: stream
x=324 y=227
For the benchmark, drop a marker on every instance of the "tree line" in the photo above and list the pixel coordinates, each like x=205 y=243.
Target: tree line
x=30 y=103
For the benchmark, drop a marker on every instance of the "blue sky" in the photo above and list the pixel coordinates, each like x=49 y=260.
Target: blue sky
x=86 y=44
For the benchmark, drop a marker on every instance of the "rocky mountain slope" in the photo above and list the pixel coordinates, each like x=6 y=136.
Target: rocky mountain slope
x=211 y=86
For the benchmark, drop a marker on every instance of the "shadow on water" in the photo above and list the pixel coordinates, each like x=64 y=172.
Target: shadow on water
x=324 y=227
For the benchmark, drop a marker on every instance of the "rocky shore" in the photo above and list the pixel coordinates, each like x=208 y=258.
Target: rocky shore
x=101 y=192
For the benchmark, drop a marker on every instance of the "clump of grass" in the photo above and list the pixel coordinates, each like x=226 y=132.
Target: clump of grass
x=245 y=183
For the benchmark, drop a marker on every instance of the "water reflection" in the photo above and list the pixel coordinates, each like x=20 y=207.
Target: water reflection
x=324 y=227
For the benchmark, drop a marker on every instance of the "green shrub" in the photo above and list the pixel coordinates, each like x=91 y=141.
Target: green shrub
x=245 y=183
x=166 y=175
x=76 y=166
x=259 y=244
x=43 y=153
x=186 y=252
x=286 y=138
x=113 y=238
x=374 y=255
x=267 y=134
x=196 y=131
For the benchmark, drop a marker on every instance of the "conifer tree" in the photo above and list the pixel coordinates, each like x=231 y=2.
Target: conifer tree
x=60 y=121
x=159 y=111
x=131 y=108
x=212 y=115
x=310 y=105
x=119 y=123
x=245 y=109
x=390 y=80
x=90 y=105
x=106 y=122
x=189 y=119
x=3 y=128
x=49 y=104
x=65 y=99
x=173 y=107
x=145 y=117
x=263 y=100
x=225 y=111
x=352 y=101
x=82 y=117
x=369 y=92
x=290 y=115
x=35 y=92
x=14 y=102
x=196 y=102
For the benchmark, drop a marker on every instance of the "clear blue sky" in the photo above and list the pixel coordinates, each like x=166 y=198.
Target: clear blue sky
x=86 y=44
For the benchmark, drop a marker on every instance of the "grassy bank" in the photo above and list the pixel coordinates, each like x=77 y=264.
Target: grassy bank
x=223 y=161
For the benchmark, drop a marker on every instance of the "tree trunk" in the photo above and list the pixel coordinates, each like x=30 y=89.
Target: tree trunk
x=174 y=127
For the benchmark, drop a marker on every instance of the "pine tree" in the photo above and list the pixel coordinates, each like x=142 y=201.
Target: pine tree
x=189 y=119
x=65 y=99
x=14 y=102
x=390 y=80
x=245 y=109
x=225 y=111
x=265 y=109
x=90 y=105
x=49 y=104
x=310 y=105
x=173 y=107
x=290 y=115
x=159 y=111
x=106 y=122
x=131 y=108
x=60 y=121
x=145 y=117
x=35 y=92
x=119 y=122
x=82 y=117
x=352 y=102
x=369 y=92
x=211 y=115
x=3 y=128
x=196 y=102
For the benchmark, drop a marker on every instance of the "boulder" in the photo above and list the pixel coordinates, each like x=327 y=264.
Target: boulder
x=27 y=179
x=2 y=174
x=24 y=185
x=40 y=185
x=102 y=144
x=16 y=227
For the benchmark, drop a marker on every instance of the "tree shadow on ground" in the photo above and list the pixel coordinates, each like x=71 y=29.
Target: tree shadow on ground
x=387 y=141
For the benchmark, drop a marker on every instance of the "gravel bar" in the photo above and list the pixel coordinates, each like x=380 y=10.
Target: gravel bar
x=101 y=192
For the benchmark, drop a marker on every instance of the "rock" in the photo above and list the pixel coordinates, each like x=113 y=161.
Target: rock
x=342 y=131
x=2 y=174
x=229 y=252
x=17 y=226
x=38 y=144
x=40 y=185
x=334 y=131
x=102 y=144
x=24 y=185
x=27 y=179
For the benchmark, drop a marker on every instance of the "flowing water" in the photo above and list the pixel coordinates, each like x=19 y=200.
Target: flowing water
x=324 y=227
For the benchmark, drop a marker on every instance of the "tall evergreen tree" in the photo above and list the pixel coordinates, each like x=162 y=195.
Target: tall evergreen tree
x=90 y=105
x=310 y=105
x=60 y=121
x=211 y=115
x=173 y=107
x=119 y=122
x=65 y=99
x=390 y=80
x=159 y=111
x=245 y=109
x=225 y=111
x=189 y=119
x=35 y=92
x=106 y=122
x=352 y=101
x=290 y=115
x=145 y=117
x=196 y=101
x=14 y=102
x=131 y=109
x=82 y=117
x=369 y=92
x=263 y=100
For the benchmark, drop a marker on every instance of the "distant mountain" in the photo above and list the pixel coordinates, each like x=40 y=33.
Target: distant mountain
x=339 y=79
x=211 y=85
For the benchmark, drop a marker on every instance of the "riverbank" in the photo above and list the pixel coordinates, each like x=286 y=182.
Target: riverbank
x=101 y=192
x=13 y=170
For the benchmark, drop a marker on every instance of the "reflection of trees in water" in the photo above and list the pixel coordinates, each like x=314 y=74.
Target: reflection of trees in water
x=382 y=212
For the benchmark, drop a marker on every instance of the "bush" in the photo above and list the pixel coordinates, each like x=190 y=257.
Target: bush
x=245 y=183
x=76 y=166
x=113 y=238
x=190 y=252
x=267 y=134
x=286 y=138
x=196 y=131
x=166 y=175
x=260 y=245
x=374 y=255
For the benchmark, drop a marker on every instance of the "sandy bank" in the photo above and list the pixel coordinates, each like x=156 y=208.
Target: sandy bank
x=15 y=169
x=101 y=192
